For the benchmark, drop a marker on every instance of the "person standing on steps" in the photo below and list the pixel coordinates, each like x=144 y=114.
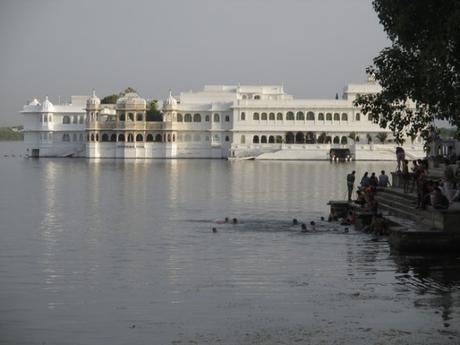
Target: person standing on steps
x=350 y=184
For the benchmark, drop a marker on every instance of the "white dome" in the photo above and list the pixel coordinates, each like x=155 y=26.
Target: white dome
x=34 y=102
x=93 y=100
x=170 y=101
x=47 y=105
x=131 y=100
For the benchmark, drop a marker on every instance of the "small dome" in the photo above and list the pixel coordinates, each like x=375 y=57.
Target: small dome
x=47 y=105
x=34 y=102
x=170 y=101
x=131 y=100
x=93 y=100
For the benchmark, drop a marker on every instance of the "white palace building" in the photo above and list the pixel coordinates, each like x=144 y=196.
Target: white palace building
x=222 y=121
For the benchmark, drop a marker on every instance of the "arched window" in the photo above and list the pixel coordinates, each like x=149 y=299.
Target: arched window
x=227 y=118
x=243 y=116
x=139 y=137
x=216 y=138
x=130 y=117
x=207 y=118
x=139 y=117
x=92 y=137
x=311 y=116
x=158 y=138
x=65 y=120
x=97 y=136
x=299 y=116
x=196 y=137
x=336 y=117
x=227 y=138
x=344 y=140
x=149 y=138
x=264 y=116
x=263 y=139
x=113 y=137
x=122 y=117
x=328 y=117
x=121 y=137
x=169 y=138
x=255 y=139
x=81 y=119
x=66 y=137
x=320 y=117
x=130 y=138
x=188 y=118
x=187 y=138
x=255 y=116
x=279 y=139
x=290 y=116
x=75 y=119
x=357 y=139
x=271 y=116
x=358 y=117
x=336 y=140
x=256 y=97
x=310 y=138
x=289 y=138
x=216 y=118
x=271 y=139
x=180 y=138
x=179 y=118
x=197 y=118
x=344 y=117
x=245 y=97
x=279 y=117
x=105 y=137
x=300 y=138
x=243 y=139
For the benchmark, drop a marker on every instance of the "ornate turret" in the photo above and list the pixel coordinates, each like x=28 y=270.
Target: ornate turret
x=47 y=106
x=93 y=102
x=170 y=103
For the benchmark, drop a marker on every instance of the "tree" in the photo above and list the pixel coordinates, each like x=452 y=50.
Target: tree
x=153 y=114
x=422 y=64
x=382 y=136
x=352 y=136
x=321 y=138
x=111 y=99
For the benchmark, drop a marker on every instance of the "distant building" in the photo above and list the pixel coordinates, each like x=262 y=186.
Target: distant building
x=221 y=121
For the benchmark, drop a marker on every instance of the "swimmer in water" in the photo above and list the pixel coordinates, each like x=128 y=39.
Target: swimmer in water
x=346 y=230
x=322 y=218
x=295 y=221
x=226 y=220
x=235 y=221
x=304 y=227
x=214 y=230
x=313 y=225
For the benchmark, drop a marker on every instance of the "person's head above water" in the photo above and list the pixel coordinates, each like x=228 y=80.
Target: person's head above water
x=234 y=220
x=214 y=230
x=304 y=226
x=226 y=219
x=322 y=218
x=312 y=223
x=295 y=221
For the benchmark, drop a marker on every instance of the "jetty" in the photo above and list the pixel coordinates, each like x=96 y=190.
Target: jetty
x=407 y=227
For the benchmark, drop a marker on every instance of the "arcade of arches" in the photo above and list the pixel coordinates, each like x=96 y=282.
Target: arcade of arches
x=298 y=138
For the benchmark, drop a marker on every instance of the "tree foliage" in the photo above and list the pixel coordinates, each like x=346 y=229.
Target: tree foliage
x=422 y=64
x=382 y=137
x=153 y=114
x=112 y=99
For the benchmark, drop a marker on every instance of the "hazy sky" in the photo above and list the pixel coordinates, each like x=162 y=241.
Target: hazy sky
x=63 y=48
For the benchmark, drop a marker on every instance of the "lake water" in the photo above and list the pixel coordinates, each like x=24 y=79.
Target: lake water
x=121 y=252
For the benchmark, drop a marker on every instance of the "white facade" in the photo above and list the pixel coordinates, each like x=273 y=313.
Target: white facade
x=221 y=121
x=55 y=130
